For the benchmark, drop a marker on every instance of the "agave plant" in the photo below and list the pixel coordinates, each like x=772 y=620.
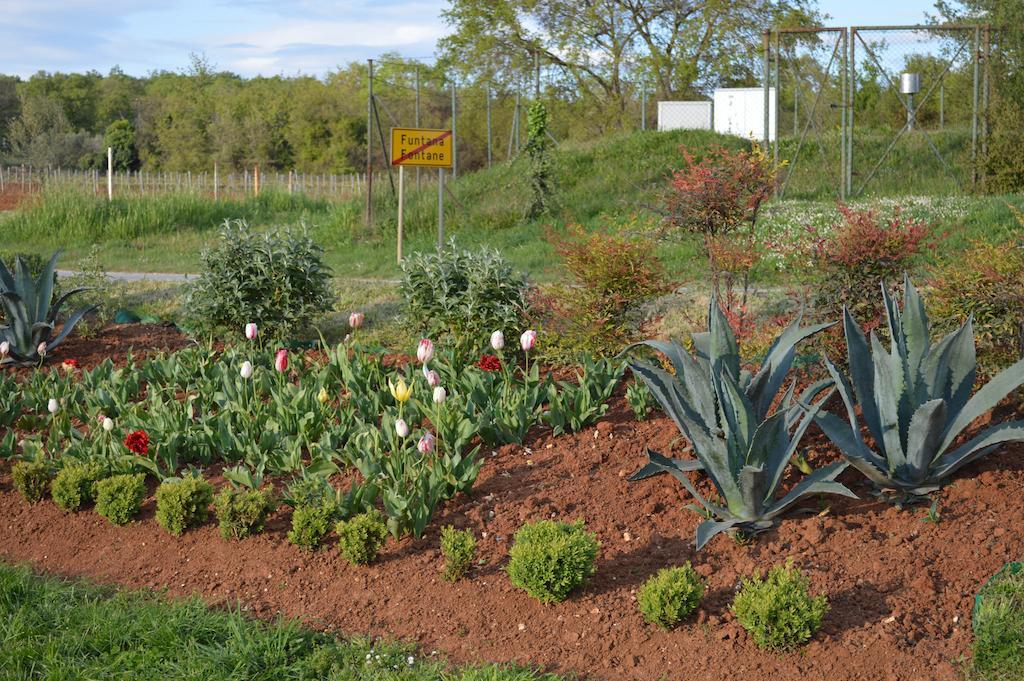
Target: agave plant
x=30 y=318
x=740 y=441
x=916 y=401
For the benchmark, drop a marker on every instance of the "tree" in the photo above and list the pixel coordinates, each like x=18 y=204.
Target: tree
x=120 y=136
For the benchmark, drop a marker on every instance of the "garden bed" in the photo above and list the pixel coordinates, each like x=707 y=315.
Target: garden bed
x=900 y=589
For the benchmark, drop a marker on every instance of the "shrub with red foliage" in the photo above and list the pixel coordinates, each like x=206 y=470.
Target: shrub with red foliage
x=138 y=442
x=489 y=363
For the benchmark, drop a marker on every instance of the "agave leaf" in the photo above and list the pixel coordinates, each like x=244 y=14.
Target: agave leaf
x=989 y=396
x=894 y=321
x=44 y=288
x=764 y=446
x=978 y=447
x=26 y=288
x=862 y=374
x=962 y=369
x=888 y=390
x=915 y=326
x=666 y=389
x=923 y=438
x=691 y=376
x=848 y=440
x=54 y=309
x=845 y=392
x=820 y=481
x=679 y=473
x=6 y=278
x=709 y=528
x=777 y=363
x=785 y=447
x=739 y=418
x=69 y=325
x=752 y=481
x=654 y=468
x=935 y=368
x=723 y=349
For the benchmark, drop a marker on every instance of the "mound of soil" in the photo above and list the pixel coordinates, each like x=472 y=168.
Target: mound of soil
x=901 y=589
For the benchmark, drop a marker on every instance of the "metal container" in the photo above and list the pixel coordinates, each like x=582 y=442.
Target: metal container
x=910 y=83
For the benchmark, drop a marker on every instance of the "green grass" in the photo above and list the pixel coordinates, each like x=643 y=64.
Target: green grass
x=610 y=183
x=999 y=630
x=54 y=629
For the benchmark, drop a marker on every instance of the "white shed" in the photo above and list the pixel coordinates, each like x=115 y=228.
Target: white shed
x=684 y=115
x=740 y=111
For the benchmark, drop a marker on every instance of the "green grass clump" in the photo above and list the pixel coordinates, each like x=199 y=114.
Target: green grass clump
x=999 y=629
x=53 y=629
x=360 y=539
x=459 y=550
x=183 y=503
x=549 y=559
x=119 y=497
x=778 y=611
x=669 y=596
x=72 y=486
x=31 y=478
x=243 y=512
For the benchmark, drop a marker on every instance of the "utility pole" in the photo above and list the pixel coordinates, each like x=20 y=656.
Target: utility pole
x=417 y=118
x=455 y=138
x=369 y=150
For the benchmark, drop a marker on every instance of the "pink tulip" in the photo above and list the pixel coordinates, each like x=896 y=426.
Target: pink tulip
x=426 y=443
x=528 y=340
x=41 y=350
x=433 y=378
x=355 y=320
x=251 y=331
x=401 y=428
x=425 y=351
x=281 y=361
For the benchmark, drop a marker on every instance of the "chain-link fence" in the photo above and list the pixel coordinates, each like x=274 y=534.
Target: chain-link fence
x=880 y=110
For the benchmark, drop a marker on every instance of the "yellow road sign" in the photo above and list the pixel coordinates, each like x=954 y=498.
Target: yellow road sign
x=421 y=147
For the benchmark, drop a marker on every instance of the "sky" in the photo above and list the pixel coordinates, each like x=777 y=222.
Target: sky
x=264 y=37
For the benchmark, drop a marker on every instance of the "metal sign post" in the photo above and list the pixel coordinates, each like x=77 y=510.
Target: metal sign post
x=421 y=147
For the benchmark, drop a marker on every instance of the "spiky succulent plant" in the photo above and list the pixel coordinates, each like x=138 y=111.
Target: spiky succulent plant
x=740 y=441
x=30 y=319
x=916 y=401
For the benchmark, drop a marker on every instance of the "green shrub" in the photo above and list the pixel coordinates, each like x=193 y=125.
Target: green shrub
x=241 y=513
x=463 y=295
x=640 y=400
x=999 y=628
x=277 y=279
x=669 y=596
x=778 y=612
x=119 y=497
x=459 y=550
x=310 y=524
x=361 y=538
x=72 y=486
x=549 y=559
x=183 y=503
x=985 y=281
x=31 y=479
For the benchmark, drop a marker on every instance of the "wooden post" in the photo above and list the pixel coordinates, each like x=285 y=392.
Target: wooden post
x=401 y=209
x=216 y=178
x=256 y=180
x=110 y=173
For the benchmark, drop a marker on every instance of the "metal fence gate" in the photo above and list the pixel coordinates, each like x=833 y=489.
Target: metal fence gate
x=879 y=109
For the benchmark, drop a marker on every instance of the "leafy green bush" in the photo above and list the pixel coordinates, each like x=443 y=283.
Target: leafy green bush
x=100 y=293
x=119 y=497
x=459 y=550
x=463 y=295
x=361 y=538
x=779 y=612
x=639 y=399
x=31 y=479
x=277 y=279
x=669 y=596
x=985 y=282
x=72 y=486
x=549 y=559
x=310 y=524
x=183 y=503
x=999 y=628
x=241 y=513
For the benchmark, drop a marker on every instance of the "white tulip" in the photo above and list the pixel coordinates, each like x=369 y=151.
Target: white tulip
x=41 y=350
x=53 y=406
x=402 y=428
x=5 y=349
x=440 y=395
x=246 y=370
x=498 y=341
x=108 y=424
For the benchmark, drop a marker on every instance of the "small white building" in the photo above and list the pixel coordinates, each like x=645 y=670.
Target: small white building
x=685 y=116
x=740 y=111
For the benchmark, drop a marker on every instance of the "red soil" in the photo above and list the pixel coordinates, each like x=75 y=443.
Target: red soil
x=901 y=590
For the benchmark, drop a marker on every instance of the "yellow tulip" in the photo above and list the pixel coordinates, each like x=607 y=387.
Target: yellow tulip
x=322 y=397
x=400 y=391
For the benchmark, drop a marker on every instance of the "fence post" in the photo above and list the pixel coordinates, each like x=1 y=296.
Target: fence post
x=488 y=125
x=110 y=173
x=369 y=149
